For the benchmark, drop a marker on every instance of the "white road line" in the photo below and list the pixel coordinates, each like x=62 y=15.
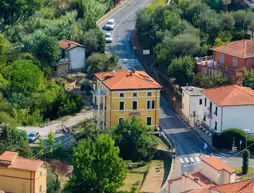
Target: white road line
x=186 y=160
x=127 y=17
x=181 y=160
x=191 y=159
x=197 y=159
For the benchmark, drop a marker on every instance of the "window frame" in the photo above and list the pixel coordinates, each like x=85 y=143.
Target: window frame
x=222 y=58
x=120 y=119
x=205 y=102
x=150 y=120
x=216 y=110
x=120 y=106
x=200 y=101
x=151 y=106
x=235 y=62
x=135 y=94
x=215 y=125
x=136 y=105
x=149 y=94
x=121 y=95
x=40 y=188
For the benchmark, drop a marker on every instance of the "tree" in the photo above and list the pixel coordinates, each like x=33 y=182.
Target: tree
x=94 y=40
x=41 y=146
x=226 y=22
x=243 y=19
x=248 y=78
x=51 y=142
x=53 y=184
x=246 y=157
x=182 y=69
x=101 y=63
x=215 y=4
x=97 y=167
x=135 y=140
x=24 y=77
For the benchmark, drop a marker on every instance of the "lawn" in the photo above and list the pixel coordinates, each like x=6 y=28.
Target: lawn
x=247 y=176
x=161 y=144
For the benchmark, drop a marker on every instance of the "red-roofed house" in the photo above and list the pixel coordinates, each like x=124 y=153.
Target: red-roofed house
x=212 y=172
x=228 y=107
x=230 y=59
x=20 y=175
x=73 y=57
x=123 y=94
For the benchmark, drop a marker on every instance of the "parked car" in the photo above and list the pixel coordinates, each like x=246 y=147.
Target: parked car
x=33 y=136
x=110 y=24
x=108 y=38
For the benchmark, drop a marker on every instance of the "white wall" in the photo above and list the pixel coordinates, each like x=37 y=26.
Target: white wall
x=186 y=104
x=210 y=172
x=183 y=184
x=77 y=58
x=238 y=117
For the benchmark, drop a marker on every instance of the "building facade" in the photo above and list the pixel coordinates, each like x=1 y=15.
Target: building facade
x=20 y=175
x=192 y=104
x=73 y=57
x=124 y=94
x=230 y=59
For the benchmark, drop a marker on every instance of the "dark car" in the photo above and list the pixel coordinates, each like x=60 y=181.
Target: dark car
x=33 y=136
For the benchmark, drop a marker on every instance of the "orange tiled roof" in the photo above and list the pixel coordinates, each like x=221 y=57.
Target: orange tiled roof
x=67 y=44
x=244 y=186
x=8 y=156
x=217 y=164
x=232 y=95
x=125 y=80
x=20 y=163
x=240 y=48
x=205 y=190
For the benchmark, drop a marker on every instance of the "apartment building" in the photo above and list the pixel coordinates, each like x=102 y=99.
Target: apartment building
x=230 y=59
x=212 y=172
x=124 y=94
x=21 y=175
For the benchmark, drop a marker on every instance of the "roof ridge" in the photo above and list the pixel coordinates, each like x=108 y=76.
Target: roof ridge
x=239 y=88
x=153 y=81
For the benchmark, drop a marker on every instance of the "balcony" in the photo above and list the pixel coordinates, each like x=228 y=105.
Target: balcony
x=206 y=61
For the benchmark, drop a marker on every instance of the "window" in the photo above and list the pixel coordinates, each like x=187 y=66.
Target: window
x=204 y=119
x=216 y=111
x=194 y=113
x=211 y=107
x=215 y=125
x=148 y=120
x=134 y=94
x=134 y=105
x=121 y=95
x=205 y=102
x=150 y=104
x=40 y=188
x=221 y=58
x=120 y=119
x=121 y=105
x=235 y=62
x=200 y=101
x=149 y=93
x=40 y=173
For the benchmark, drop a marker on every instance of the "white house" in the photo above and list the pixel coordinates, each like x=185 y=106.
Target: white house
x=192 y=104
x=228 y=107
x=72 y=57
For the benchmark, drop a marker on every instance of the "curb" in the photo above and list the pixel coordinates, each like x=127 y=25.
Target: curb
x=112 y=12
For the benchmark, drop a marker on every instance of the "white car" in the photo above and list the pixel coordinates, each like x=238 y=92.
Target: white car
x=108 y=38
x=110 y=24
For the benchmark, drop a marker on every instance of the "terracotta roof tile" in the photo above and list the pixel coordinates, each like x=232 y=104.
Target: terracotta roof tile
x=20 y=163
x=67 y=44
x=125 y=80
x=232 y=95
x=244 y=186
x=8 y=156
x=240 y=48
x=217 y=164
x=205 y=190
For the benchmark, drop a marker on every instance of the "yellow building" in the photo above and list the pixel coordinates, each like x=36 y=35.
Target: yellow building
x=20 y=175
x=123 y=94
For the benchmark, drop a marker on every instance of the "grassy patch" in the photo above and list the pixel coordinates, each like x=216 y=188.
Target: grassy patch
x=247 y=176
x=161 y=144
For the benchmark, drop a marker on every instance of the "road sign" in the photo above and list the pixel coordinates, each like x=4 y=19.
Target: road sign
x=146 y=52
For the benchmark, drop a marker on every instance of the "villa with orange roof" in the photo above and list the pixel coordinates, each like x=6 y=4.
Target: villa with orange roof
x=20 y=175
x=221 y=108
x=124 y=94
x=212 y=172
x=230 y=59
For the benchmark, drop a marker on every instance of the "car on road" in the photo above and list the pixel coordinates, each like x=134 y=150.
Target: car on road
x=108 y=38
x=110 y=24
x=33 y=136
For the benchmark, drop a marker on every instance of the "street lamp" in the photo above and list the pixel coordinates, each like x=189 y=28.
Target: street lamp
x=246 y=130
x=117 y=36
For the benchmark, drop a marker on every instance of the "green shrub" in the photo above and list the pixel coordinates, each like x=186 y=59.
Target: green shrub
x=85 y=85
x=246 y=157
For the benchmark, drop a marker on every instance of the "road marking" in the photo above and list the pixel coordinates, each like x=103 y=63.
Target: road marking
x=197 y=159
x=127 y=17
x=129 y=36
x=181 y=160
x=186 y=159
x=114 y=13
x=191 y=159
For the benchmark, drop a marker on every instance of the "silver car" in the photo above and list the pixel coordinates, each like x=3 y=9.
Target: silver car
x=108 y=37
x=33 y=136
x=110 y=24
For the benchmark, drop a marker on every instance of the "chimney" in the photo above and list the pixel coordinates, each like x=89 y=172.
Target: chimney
x=133 y=70
x=114 y=73
x=211 y=155
x=187 y=86
x=130 y=73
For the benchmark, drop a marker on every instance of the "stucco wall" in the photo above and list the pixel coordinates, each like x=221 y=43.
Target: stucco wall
x=228 y=60
x=210 y=172
x=185 y=104
x=181 y=185
x=77 y=58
